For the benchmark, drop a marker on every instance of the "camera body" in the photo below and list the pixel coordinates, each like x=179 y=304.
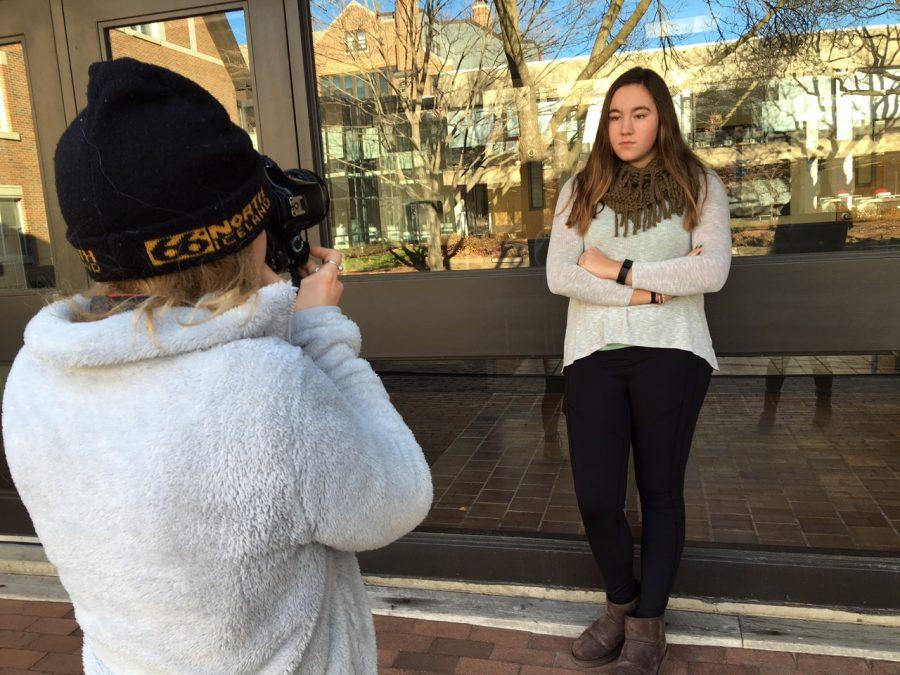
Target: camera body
x=300 y=201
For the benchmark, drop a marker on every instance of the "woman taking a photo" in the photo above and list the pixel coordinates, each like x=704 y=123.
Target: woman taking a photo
x=639 y=235
x=198 y=444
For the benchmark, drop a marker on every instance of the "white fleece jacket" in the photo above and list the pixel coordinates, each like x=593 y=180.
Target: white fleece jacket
x=203 y=498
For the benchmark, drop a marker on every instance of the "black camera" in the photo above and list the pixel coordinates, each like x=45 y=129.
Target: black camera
x=300 y=201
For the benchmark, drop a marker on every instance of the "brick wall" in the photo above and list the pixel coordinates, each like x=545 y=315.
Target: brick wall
x=177 y=32
x=19 y=158
x=211 y=76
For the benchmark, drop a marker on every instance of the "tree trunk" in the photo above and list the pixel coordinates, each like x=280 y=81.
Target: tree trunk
x=531 y=153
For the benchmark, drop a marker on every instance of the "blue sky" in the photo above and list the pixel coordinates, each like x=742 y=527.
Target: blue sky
x=238 y=25
x=690 y=19
x=695 y=15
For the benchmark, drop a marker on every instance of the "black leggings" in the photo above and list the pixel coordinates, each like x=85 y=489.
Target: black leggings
x=649 y=399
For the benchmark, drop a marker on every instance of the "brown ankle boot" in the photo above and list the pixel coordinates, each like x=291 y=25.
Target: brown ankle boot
x=601 y=641
x=645 y=646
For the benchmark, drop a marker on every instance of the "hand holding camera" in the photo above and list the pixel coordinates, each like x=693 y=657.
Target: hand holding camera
x=301 y=201
x=320 y=286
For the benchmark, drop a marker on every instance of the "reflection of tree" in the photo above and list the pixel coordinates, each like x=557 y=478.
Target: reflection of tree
x=417 y=256
x=765 y=31
x=425 y=122
x=229 y=51
x=849 y=76
x=612 y=35
x=429 y=111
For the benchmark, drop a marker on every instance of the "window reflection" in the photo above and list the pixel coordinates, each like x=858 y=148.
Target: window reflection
x=442 y=156
x=786 y=452
x=6 y=482
x=210 y=49
x=25 y=254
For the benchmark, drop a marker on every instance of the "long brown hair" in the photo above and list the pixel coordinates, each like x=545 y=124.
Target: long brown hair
x=593 y=181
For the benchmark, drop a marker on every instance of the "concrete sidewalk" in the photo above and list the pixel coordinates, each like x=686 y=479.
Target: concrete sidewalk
x=428 y=625
x=43 y=637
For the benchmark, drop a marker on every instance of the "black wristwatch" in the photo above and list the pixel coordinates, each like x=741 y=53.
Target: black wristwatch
x=623 y=271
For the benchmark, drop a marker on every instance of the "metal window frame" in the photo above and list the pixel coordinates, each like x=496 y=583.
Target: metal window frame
x=32 y=25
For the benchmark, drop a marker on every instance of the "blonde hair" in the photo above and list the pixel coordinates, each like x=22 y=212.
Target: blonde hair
x=216 y=286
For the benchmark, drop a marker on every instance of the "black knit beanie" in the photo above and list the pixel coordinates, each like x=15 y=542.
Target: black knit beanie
x=153 y=176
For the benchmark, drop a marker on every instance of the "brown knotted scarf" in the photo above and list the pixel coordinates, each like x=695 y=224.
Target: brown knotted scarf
x=643 y=196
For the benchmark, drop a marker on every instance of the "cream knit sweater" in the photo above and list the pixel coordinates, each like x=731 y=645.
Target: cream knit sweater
x=599 y=313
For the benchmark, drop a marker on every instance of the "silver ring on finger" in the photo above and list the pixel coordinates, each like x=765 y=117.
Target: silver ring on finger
x=336 y=264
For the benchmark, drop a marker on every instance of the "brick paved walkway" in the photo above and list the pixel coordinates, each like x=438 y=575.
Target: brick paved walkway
x=407 y=645
x=43 y=637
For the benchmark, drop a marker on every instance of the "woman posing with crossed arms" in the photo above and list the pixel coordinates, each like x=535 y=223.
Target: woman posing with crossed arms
x=638 y=355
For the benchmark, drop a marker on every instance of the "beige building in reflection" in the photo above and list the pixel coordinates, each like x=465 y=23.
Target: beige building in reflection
x=807 y=145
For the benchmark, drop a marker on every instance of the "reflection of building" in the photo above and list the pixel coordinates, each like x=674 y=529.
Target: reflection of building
x=25 y=256
x=362 y=57
x=203 y=49
x=797 y=144
x=799 y=149
x=789 y=142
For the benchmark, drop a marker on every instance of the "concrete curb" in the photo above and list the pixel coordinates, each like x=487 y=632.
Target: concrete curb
x=25 y=574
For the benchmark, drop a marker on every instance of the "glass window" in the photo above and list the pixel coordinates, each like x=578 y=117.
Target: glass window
x=4 y=110
x=26 y=259
x=805 y=140
x=15 y=518
x=433 y=173
x=763 y=468
x=6 y=482
x=10 y=244
x=211 y=49
x=356 y=41
x=154 y=30
x=9 y=225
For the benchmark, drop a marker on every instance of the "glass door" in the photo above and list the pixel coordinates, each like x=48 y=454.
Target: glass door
x=238 y=51
x=34 y=258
